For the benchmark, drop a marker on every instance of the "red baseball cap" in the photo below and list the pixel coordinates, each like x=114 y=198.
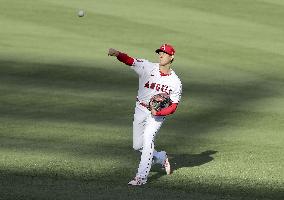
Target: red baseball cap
x=167 y=49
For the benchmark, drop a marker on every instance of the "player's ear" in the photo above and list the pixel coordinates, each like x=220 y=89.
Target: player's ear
x=172 y=58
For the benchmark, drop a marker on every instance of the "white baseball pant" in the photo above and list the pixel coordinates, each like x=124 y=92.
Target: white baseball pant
x=145 y=128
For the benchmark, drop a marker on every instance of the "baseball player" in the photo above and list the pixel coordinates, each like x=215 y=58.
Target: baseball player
x=154 y=78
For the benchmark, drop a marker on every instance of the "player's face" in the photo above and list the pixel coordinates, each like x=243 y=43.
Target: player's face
x=164 y=58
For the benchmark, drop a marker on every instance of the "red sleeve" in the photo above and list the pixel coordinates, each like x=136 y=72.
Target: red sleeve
x=167 y=111
x=122 y=57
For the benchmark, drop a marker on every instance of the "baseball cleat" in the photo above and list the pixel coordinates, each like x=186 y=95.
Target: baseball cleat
x=167 y=166
x=138 y=181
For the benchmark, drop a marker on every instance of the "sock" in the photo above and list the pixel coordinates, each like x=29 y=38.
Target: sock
x=159 y=157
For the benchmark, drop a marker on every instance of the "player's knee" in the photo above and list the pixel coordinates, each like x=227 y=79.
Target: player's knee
x=137 y=146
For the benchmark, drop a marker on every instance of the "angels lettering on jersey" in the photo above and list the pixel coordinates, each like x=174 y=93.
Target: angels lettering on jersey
x=158 y=87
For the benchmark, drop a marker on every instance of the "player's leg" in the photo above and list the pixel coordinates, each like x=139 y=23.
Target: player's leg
x=138 y=128
x=152 y=126
x=161 y=157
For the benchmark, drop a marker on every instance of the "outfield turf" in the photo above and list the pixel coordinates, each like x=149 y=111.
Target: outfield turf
x=66 y=107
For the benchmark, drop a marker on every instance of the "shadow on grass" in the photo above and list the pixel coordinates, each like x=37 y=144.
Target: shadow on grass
x=178 y=161
x=58 y=92
x=191 y=160
x=16 y=186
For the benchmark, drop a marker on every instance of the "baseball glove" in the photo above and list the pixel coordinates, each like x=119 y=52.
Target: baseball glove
x=159 y=101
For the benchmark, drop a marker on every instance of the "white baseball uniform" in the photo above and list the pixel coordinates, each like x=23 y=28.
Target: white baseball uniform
x=145 y=125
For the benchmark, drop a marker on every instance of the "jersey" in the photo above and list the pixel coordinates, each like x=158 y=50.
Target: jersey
x=152 y=81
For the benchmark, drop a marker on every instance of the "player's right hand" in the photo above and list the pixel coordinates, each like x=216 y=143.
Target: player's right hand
x=113 y=52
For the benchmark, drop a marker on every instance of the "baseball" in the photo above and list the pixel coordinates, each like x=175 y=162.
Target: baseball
x=81 y=13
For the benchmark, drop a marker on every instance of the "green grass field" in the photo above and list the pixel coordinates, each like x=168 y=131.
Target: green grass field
x=66 y=108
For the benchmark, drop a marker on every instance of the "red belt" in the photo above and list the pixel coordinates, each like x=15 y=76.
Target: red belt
x=142 y=104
